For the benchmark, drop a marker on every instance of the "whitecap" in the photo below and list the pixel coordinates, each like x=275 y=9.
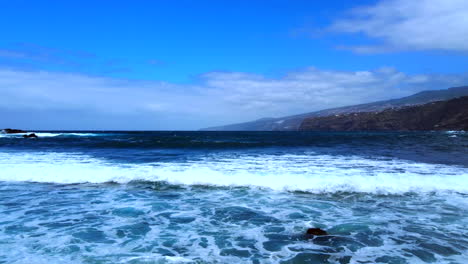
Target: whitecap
x=311 y=173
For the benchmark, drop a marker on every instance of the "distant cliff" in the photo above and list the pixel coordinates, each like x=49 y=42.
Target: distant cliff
x=441 y=115
x=291 y=123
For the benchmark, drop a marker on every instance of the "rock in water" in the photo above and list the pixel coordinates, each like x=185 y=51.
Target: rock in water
x=32 y=135
x=12 y=131
x=316 y=232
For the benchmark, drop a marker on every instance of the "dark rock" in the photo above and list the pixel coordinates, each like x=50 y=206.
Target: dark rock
x=12 y=131
x=441 y=115
x=316 y=232
x=32 y=135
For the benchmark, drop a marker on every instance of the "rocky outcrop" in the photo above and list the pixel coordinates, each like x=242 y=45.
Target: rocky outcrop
x=32 y=135
x=316 y=232
x=12 y=131
x=441 y=115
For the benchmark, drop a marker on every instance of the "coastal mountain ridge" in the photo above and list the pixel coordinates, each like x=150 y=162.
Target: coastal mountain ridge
x=293 y=123
x=440 y=115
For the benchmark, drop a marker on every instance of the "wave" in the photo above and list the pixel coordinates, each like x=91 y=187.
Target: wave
x=311 y=173
x=455 y=132
x=49 y=134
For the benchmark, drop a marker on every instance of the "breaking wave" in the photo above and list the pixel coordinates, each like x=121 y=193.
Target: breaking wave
x=311 y=173
x=49 y=134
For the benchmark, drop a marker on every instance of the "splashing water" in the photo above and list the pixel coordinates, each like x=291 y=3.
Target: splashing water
x=204 y=197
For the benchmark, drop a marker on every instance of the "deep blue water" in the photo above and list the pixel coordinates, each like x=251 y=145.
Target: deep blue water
x=234 y=197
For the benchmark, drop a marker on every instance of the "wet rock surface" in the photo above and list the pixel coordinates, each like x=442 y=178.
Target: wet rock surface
x=316 y=232
x=32 y=135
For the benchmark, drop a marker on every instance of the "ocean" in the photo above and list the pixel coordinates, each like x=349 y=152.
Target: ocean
x=234 y=197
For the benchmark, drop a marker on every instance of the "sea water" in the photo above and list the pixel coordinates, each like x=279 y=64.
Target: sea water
x=234 y=197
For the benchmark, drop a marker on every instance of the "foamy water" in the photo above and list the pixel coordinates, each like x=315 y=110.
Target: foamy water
x=185 y=197
x=313 y=173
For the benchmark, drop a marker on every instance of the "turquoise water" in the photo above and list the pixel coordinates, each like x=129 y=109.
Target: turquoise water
x=201 y=197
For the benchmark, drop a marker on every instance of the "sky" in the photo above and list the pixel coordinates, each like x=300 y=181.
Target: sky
x=185 y=65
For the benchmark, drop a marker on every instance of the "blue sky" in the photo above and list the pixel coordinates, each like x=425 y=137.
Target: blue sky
x=191 y=64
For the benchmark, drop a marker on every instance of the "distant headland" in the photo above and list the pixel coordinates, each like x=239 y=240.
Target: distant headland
x=441 y=115
x=428 y=110
x=18 y=131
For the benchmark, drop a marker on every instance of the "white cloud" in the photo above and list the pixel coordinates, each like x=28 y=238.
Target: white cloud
x=313 y=89
x=409 y=25
x=218 y=98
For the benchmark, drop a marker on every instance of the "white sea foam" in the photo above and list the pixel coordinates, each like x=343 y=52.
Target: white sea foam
x=48 y=134
x=313 y=173
x=455 y=132
x=124 y=224
x=44 y=134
